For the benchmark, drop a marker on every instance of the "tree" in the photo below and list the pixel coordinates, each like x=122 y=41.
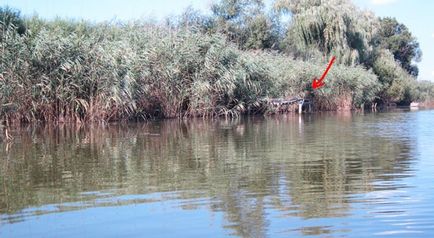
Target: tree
x=397 y=38
x=245 y=23
x=333 y=27
x=11 y=18
x=395 y=81
x=260 y=33
x=194 y=20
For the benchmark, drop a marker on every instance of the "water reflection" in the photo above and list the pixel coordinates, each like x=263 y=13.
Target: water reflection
x=257 y=171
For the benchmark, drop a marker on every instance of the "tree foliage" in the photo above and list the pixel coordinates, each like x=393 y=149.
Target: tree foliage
x=334 y=27
x=397 y=38
x=245 y=23
x=11 y=18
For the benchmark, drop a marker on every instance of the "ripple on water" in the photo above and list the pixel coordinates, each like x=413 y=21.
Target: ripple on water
x=315 y=175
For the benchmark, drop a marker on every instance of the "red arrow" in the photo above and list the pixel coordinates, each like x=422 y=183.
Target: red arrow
x=319 y=83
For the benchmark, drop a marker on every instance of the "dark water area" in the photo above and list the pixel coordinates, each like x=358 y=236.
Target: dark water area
x=325 y=174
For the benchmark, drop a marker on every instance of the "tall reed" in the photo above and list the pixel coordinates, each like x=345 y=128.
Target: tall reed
x=77 y=71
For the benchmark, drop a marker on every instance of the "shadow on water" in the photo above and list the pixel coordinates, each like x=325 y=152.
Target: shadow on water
x=309 y=167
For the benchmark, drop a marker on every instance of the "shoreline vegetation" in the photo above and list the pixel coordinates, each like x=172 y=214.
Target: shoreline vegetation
x=222 y=64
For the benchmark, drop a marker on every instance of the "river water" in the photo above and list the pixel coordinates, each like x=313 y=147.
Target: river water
x=325 y=174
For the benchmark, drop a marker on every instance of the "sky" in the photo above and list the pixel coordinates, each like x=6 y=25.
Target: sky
x=416 y=15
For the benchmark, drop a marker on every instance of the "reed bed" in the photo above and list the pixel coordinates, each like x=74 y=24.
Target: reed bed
x=65 y=71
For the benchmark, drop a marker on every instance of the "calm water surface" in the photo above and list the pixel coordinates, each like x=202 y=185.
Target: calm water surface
x=328 y=175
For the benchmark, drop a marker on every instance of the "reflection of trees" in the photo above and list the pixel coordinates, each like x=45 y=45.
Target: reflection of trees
x=306 y=167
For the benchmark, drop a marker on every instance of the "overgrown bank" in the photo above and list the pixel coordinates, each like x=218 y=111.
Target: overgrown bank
x=136 y=71
x=78 y=71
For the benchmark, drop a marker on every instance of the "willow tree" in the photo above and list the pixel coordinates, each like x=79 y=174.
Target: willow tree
x=332 y=27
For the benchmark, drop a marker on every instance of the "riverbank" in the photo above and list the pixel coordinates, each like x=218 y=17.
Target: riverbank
x=75 y=71
x=111 y=73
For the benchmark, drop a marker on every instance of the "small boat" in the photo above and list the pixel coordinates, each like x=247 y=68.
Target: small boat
x=414 y=106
